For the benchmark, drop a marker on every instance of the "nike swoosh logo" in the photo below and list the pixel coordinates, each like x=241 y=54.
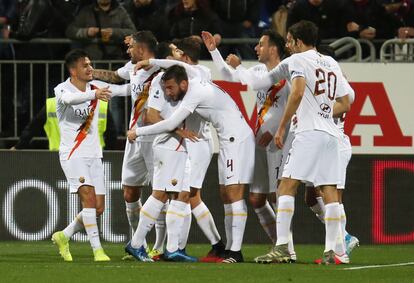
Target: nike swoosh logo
x=228 y=177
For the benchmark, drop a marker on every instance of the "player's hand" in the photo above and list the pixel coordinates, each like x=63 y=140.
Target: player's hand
x=131 y=135
x=103 y=93
x=93 y=31
x=209 y=40
x=187 y=134
x=265 y=139
x=233 y=60
x=279 y=136
x=141 y=65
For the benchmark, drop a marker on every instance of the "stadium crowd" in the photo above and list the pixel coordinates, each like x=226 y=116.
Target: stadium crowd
x=109 y=20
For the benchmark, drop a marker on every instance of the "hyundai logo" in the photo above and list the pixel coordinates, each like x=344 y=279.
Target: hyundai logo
x=325 y=108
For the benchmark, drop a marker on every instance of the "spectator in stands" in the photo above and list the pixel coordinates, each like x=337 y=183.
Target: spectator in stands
x=400 y=17
x=328 y=15
x=367 y=19
x=7 y=15
x=239 y=19
x=148 y=15
x=190 y=18
x=106 y=21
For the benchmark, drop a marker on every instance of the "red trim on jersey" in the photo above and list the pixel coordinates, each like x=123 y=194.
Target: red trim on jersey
x=270 y=99
x=139 y=103
x=84 y=128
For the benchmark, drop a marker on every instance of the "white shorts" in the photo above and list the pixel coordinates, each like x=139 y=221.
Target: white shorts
x=137 y=166
x=171 y=170
x=266 y=167
x=84 y=171
x=314 y=157
x=345 y=152
x=200 y=154
x=236 y=161
x=285 y=152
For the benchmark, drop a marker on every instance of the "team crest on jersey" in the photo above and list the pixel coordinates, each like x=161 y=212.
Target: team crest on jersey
x=82 y=179
x=174 y=182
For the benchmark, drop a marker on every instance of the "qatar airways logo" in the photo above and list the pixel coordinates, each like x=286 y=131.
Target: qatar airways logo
x=83 y=113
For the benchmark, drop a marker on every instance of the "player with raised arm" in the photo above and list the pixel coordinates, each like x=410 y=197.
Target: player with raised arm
x=316 y=84
x=80 y=153
x=236 y=156
x=270 y=103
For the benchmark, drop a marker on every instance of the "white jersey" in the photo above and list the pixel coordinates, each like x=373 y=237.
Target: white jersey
x=78 y=121
x=124 y=71
x=270 y=100
x=270 y=103
x=340 y=122
x=194 y=122
x=216 y=106
x=324 y=83
x=158 y=101
x=140 y=85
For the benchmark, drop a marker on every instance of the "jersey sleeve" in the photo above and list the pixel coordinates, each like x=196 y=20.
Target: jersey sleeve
x=164 y=126
x=116 y=90
x=296 y=68
x=226 y=71
x=123 y=72
x=191 y=100
x=73 y=98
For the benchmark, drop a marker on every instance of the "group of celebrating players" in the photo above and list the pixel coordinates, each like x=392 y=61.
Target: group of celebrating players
x=301 y=102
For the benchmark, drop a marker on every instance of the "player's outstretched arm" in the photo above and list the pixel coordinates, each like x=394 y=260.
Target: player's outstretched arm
x=107 y=76
x=192 y=72
x=164 y=126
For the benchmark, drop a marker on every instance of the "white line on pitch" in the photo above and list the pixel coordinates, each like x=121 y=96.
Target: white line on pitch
x=379 y=266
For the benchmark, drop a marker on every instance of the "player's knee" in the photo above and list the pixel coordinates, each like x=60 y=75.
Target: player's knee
x=257 y=201
x=131 y=194
x=99 y=211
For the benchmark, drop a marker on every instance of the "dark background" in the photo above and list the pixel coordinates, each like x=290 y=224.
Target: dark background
x=30 y=209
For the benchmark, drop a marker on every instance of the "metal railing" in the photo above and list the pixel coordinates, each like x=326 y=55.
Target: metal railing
x=397 y=50
x=26 y=84
x=344 y=45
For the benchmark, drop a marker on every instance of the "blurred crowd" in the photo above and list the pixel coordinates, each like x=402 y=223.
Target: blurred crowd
x=99 y=26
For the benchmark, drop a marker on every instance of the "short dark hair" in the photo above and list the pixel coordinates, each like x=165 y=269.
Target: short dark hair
x=275 y=39
x=148 y=38
x=305 y=31
x=73 y=56
x=163 y=50
x=191 y=47
x=175 y=72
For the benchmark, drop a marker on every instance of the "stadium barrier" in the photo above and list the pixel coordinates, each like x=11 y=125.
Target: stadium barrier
x=35 y=201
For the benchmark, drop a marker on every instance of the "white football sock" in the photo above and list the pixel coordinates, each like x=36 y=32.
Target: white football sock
x=132 y=212
x=285 y=210
x=147 y=217
x=206 y=223
x=239 y=211
x=91 y=227
x=228 y=222
x=161 y=229
x=175 y=219
x=185 y=230
x=267 y=219
x=340 y=239
x=319 y=209
x=74 y=227
x=332 y=225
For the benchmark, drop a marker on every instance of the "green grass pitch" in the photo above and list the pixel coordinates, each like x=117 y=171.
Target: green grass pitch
x=40 y=262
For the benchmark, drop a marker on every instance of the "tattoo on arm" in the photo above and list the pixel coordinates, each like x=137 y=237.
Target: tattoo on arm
x=107 y=76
